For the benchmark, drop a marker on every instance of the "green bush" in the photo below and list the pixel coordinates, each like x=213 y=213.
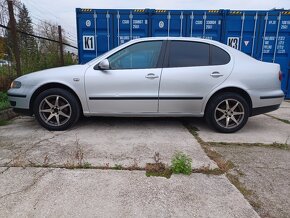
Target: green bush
x=4 y=101
x=181 y=164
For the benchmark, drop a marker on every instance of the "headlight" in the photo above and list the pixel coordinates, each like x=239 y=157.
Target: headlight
x=15 y=85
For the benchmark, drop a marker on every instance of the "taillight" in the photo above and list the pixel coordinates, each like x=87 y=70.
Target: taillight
x=280 y=75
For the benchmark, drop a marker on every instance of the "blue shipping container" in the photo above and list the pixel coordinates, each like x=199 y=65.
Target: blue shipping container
x=264 y=35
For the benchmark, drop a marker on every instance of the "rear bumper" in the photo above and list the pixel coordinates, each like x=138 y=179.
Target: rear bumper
x=265 y=109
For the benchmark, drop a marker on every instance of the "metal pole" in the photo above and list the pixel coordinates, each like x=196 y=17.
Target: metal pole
x=242 y=31
x=204 y=25
x=168 y=19
x=108 y=29
x=181 y=20
x=277 y=36
x=254 y=35
x=264 y=35
x=191 y=23
x=96 y=37
x=60 y=46
x=14 y=37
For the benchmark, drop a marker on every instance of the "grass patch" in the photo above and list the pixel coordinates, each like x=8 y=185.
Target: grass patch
x=4 y=103
x=4 y=122
x=118 y=167
x=181 y=164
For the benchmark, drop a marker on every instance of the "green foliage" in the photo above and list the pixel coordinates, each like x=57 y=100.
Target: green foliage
x=4 y=122
x=87 y=165
x=181 y=164
x=4 y=103
x=35 y=54
x=117 y=167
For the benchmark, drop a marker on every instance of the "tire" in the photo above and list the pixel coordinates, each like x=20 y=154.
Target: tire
x=227 y=119
x=56 y=109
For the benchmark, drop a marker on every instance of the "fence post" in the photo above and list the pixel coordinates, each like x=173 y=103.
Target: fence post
x=60 y=46
x=14 y=37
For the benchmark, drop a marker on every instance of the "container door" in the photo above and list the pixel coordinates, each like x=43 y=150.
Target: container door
x=205 y=24
x=241 y=31
x=94 y=33
x=168 y=23
x=130 y=24
x=274 y=43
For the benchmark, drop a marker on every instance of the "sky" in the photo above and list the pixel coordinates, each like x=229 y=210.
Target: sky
x=63 y=12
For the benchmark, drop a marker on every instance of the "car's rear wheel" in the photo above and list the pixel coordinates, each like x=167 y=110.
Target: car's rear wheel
x=227 y=112
x=56 y=109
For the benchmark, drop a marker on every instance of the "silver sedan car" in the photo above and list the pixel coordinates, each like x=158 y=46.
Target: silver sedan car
x=160 y=76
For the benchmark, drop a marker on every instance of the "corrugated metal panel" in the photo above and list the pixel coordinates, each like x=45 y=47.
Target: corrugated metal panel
x=265 y=35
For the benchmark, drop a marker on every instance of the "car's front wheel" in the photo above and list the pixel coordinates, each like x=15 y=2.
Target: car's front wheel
x=56 y=109
x=227 y=112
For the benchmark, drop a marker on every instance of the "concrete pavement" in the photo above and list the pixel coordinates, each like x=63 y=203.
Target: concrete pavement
x=259 y=129
x=101 y=142
x=39 y=192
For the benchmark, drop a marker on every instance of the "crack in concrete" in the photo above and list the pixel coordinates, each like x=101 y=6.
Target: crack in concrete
x=24 y=153
x=3 y=171
x=34 y=182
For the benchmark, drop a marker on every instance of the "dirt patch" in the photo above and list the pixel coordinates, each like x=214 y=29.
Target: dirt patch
x=158 y=169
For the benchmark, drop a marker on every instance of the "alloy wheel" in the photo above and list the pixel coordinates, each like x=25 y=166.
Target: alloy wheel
x=229 y=113
x=55 y=110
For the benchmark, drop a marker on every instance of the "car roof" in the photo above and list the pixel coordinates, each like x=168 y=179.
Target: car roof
x=196 y=39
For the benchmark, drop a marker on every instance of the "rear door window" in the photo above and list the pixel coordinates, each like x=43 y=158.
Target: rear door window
x=188 y=54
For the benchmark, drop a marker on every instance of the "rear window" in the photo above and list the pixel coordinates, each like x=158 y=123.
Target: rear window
x=218 y=56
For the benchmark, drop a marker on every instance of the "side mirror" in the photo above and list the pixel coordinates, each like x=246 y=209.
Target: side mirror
x=103 y=65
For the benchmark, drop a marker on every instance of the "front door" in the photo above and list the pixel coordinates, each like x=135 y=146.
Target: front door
x=130 y=85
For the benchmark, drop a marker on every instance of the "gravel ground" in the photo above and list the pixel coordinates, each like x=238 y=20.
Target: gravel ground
x=266 y=171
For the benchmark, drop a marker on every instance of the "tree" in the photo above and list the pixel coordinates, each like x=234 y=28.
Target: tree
x=49 y=48
x=27 y=43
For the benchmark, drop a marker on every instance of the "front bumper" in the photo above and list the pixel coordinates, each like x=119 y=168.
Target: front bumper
x=18 y=99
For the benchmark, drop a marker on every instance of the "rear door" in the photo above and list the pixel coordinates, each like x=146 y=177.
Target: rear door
x=192 y=70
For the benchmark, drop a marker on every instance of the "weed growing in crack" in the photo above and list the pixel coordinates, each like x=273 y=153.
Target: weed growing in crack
x=156 y=157
x=79 y=154
x=157 y=168
x=208 y=171
x=118 y=167
x=181 y=164
x=87 y=165
x=46 y=161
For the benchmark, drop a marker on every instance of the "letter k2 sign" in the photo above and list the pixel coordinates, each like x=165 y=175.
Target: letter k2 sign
x=89 y=43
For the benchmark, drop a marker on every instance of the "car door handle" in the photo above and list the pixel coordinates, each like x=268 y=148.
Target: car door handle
x=151 y=76
x=216 y=74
